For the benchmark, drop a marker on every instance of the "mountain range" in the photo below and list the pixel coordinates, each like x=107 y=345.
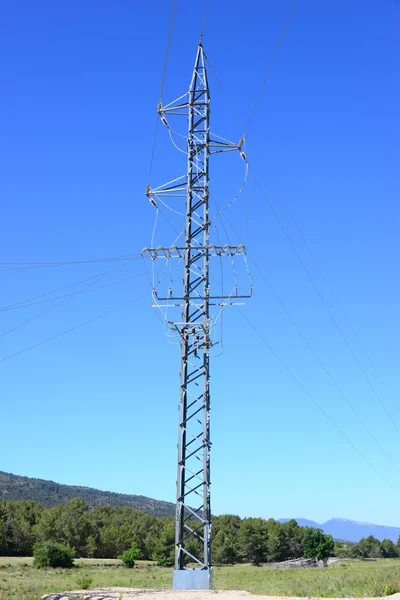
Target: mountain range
x=351 y=531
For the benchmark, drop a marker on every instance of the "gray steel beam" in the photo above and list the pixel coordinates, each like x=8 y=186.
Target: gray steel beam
x=193 y=541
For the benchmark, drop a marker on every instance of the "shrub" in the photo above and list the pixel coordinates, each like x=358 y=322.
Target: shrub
x=129 y=557
x=53 y=554
x=84 y=582
x=389 y=590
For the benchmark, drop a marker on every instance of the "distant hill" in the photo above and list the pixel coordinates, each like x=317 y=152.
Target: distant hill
x=352 y=531
x=49 y=493
x=303 y=523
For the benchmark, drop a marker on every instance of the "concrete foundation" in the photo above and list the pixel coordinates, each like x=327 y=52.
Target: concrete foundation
x=191 y=579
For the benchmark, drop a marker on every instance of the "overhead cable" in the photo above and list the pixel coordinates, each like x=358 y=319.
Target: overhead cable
x=35 y=301
x=320 y=362
x=271 y=64
x=53 y=337
x=340 y=306
x=321 y=297
x=22 y=266
x=65 y=299
x=232 y=107
x=315 y=402
x=325 y=369
x=171 y=27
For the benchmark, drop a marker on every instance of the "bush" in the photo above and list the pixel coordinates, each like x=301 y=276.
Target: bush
x=389 y=590
x=53 y=554
x=129 y=557
x=84 y=582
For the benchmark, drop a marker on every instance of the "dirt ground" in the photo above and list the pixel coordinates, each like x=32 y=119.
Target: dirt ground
x=128 y=593
x=131 y=593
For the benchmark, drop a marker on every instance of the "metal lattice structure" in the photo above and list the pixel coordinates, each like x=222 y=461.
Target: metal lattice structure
x=193 y=505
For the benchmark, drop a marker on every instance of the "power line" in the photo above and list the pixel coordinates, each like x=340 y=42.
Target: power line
x=321 y=297
x=204 y=19
x=234 y=111
x=31 y=300
x=27 y=303
x=315 y=355
x=23 y=266
x=171 y=27
x=49 y=339
x=226 y=95
x=271 y=64
x=368 y=357
x=326 y=371
x=340 y=306
x=68 y=297
x=164 y=73
x=314 y=401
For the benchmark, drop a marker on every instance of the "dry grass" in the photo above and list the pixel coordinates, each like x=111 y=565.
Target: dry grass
x=19 y=580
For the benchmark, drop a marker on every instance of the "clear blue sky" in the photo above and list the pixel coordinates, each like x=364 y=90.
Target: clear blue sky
x=97 y=407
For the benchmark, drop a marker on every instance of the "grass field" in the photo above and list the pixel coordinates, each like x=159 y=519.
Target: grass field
x=19 y=580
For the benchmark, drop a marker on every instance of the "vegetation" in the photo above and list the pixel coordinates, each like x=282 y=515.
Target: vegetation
x=355 y=578
x=368 y=547
x=129 y=557
x=111 y=531
x=53 y=554
x=49 y=493
x=317 y=545
x=84 y=582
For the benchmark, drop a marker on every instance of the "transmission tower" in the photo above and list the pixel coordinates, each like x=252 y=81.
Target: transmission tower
x=194 y=329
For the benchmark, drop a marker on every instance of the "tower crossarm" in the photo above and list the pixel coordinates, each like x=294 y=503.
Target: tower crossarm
x=178 y=251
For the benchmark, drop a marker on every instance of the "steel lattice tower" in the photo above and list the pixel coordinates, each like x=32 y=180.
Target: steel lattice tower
x=193 y=507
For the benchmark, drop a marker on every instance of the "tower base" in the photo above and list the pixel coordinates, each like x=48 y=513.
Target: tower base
x=191 y=579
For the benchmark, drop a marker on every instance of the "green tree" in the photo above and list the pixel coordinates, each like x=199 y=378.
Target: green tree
x=223 y=549
x=229 y=524
x=368 y=547
x=225 y=543
x=316 y=544
x=278 y=543
x=294 y=535
x=114 y=528
x=389 y=549
x=164 y=548
x=129 y=557
x=17 y=521
x=68 y=523
x=342 y=550
x=3 y=518
x=253 y=540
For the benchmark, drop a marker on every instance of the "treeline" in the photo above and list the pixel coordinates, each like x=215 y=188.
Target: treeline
x=108 y=531
x=369 y=547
